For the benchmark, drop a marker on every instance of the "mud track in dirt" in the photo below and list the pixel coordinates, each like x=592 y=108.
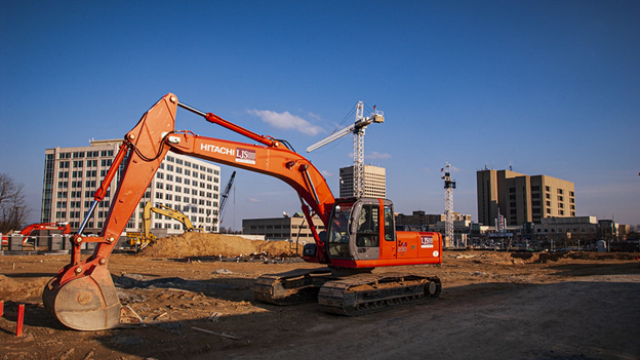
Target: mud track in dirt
x=492 y=306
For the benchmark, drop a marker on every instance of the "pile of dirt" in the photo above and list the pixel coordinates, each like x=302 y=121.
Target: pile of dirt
x=531 y=257
x=22 y=290
x=479 y=257
x=544 y=257
x=202 y=245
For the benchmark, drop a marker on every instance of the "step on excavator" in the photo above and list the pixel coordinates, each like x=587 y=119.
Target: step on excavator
x=360 y=232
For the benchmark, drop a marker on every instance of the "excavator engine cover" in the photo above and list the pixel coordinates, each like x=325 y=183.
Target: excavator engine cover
x=88 y=303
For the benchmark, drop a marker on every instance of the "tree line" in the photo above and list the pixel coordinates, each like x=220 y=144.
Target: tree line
x=13 y=205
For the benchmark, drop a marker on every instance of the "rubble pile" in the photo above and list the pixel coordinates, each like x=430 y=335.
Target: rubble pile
x=200 y=245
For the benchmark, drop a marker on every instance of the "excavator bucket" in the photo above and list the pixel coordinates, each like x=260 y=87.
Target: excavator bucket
x=88 y=303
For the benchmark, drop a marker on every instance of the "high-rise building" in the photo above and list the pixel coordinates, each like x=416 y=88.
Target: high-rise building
x=72 y=175
x=522 y=198
x=375 y=182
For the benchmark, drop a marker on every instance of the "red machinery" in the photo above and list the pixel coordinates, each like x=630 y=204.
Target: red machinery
x=26 y=232
x=360 y=232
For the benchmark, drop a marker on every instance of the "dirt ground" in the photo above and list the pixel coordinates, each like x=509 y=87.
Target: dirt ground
x=196 y=306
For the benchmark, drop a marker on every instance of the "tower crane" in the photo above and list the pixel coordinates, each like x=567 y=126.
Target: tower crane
x=449 y=185
x=358 y=129
x=224 y=196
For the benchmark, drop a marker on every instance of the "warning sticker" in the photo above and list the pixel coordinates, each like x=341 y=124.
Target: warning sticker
x=426 y=241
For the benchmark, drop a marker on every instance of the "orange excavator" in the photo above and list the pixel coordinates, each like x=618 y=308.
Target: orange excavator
x=360 y=232
x=64 y=228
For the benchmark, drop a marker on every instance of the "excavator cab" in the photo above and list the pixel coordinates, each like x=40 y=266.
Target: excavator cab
x=359 y=228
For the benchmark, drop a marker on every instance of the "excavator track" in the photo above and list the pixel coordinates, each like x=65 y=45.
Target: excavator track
x=368 y=293
x=290 y=288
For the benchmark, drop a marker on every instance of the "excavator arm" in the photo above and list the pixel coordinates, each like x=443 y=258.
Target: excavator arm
x=82 y=295
x=168 y=212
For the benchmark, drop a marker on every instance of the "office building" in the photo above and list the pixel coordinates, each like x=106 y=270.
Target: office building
x=522 y=198
x=375 y=182
x=294 y=228
x=72 y=175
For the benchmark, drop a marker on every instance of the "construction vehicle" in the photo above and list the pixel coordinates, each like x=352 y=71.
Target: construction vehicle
x=64 y=228
x=170 y=213
x=140 y=240
x=223 y=201
x=360 y=232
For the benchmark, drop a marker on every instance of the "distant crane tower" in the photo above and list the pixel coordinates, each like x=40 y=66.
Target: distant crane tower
x=224 y=196
x=449 y=185
x=357 y=128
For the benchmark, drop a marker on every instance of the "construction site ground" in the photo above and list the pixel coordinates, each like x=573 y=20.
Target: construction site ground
x=199 y=305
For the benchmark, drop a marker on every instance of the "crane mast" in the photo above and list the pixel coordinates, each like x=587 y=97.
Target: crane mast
x=358 y=153
x=449 y=185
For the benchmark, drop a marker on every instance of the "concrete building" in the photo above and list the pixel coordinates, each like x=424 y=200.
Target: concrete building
x=375 y=182
x=522 y=198
x=72 y=175
x=581 y=227
x=418 y=219
x=293 y=228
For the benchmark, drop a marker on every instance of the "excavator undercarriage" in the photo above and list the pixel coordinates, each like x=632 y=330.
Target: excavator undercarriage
x=346 y=293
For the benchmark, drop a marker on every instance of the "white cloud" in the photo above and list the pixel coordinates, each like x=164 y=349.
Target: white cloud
x=373 y=156
x=377 y=155
x=254 y=200
x=314 y=116
x=287 y=121
x=326 y=173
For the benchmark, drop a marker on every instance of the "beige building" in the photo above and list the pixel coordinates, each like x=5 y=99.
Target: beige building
x=522 y=198
x=294 y=228
x=375 y=182
x=72 y=175
x=581 y=227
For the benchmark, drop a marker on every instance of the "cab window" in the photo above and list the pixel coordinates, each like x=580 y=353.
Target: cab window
x=389 y=226
x=368 y=226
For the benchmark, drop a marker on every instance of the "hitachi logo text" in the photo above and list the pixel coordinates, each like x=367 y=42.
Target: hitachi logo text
x=217 y=149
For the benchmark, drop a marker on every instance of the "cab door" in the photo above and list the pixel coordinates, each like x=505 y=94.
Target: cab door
x=388 y=246
x=366 y=229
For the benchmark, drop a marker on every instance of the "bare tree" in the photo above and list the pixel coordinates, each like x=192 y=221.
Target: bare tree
x=13 y=207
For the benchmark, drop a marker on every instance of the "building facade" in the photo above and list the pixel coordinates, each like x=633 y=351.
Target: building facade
x=420 y=219
x=72 y=175
x=522 y=198
x=293 y=228
x=375 y=182
x=580 y=227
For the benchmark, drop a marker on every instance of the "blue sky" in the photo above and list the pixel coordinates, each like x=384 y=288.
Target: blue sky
x=547 y=87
